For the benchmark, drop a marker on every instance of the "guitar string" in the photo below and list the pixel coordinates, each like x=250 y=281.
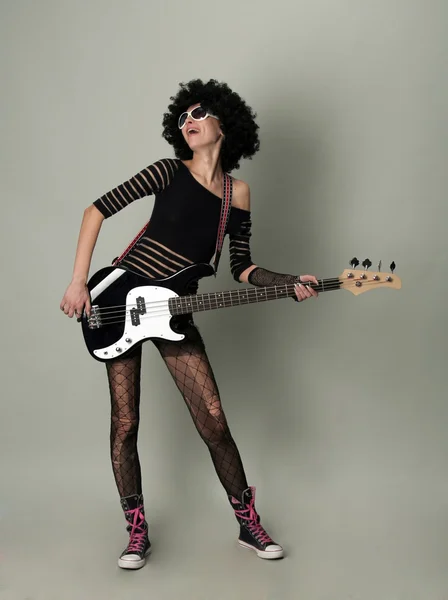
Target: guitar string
x=330 y=281
x=184 y=300
x=271 y=294
x=330 y=284
x=164 y=311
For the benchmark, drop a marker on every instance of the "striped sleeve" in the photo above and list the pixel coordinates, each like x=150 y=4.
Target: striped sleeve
x=151 y=180
x=239 y=246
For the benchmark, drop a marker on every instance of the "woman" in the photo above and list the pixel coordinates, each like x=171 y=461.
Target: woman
x=210 y=128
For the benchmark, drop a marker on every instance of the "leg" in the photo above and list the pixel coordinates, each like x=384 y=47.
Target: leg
x=188 y=363
x=124 y=386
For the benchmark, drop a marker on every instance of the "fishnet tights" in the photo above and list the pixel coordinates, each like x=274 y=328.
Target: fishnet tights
x=190 y=368
x=124 y=385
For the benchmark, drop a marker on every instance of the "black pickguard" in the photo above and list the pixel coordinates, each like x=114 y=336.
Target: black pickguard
x=182 y=283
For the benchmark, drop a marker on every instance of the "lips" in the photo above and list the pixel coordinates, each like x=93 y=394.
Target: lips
x=192 y=131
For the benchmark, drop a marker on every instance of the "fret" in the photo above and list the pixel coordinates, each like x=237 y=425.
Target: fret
x=219 y=300
x=227 y=302
x=211 y=299
x=200 y=302
x=196 y=306
x=207 y=303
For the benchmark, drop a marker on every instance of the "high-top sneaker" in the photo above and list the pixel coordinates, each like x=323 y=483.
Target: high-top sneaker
x=252 y=534
x=134 y=555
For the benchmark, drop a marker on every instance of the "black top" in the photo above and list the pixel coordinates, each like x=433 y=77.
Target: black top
x=183 y=226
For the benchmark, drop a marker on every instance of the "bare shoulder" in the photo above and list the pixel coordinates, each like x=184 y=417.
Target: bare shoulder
x=241 y=194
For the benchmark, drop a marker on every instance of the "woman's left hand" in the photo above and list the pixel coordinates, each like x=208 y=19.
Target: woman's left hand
x=304 y=291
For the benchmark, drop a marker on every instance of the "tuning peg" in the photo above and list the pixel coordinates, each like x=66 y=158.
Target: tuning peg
x=366 y=264
x=354 y=262
x=392 y=266
x=379 y=266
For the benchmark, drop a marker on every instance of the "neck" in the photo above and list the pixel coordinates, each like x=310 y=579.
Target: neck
x=199 y=302
x=207 y=165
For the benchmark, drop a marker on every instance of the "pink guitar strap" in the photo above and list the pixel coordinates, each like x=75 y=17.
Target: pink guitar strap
x=118 y=260
x=224 y=219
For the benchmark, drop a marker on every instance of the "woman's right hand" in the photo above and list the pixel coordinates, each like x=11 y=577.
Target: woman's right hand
x=76 y=299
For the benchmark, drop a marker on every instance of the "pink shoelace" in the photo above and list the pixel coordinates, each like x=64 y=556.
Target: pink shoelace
x=136 y=520
x=250 y=515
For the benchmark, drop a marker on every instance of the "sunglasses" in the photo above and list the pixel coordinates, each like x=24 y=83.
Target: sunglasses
x=197 y=114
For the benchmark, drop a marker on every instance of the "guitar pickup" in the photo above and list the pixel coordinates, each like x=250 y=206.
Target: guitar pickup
x=140 y=309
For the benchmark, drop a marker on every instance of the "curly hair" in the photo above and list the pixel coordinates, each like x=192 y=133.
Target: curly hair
x=236 y=117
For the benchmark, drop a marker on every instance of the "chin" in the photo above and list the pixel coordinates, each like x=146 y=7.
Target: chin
x=195 y=145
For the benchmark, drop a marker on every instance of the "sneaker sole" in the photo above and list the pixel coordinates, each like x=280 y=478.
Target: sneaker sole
x=133 y=564
x=266 y=554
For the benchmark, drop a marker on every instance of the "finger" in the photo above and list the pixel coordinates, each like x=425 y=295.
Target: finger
x=310 y=279
x=313 y=292
x=88 y=307
x=300 y=292
x=307 y=291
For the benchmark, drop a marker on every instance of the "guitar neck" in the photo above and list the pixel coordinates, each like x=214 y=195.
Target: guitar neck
x=213 y=300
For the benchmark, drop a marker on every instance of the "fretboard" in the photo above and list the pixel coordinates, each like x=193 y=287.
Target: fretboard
x=214 y=300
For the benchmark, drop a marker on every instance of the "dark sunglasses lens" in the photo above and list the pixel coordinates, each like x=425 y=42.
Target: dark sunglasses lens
x=198 y=113
x=182 y=119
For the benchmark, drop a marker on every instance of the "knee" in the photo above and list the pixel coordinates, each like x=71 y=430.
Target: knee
x=124 y=426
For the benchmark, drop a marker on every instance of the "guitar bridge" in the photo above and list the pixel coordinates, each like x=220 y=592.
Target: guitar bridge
x=94 y=320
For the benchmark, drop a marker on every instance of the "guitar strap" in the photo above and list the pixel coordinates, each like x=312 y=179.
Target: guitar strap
x=223 y=222
x=118 y=260
x=224 y=218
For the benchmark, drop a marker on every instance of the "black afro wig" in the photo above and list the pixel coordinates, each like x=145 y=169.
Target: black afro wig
x=236 y=117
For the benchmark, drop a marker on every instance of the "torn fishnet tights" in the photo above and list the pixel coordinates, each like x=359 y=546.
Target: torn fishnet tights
x=190 y=368
x=124 y=385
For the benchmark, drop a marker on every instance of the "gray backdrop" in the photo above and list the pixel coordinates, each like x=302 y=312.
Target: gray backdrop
x=338 y=405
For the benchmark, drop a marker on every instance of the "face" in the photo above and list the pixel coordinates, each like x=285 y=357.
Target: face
x=199 y=134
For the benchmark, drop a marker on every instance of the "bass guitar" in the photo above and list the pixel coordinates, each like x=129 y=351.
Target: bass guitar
x=129 y=309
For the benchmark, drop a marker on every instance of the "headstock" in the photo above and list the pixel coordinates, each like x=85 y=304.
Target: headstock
x=362 y=280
